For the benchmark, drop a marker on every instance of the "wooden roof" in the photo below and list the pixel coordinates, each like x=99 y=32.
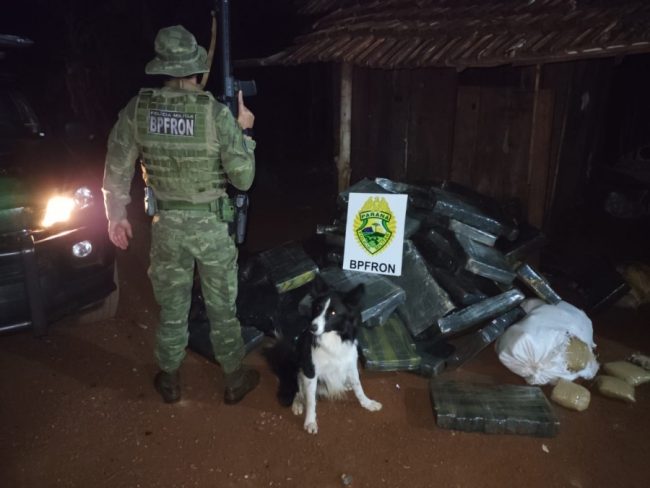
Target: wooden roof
x=468 y=33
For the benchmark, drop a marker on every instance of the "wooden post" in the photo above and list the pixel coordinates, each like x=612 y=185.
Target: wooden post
x=539 y=153
x=345 y=127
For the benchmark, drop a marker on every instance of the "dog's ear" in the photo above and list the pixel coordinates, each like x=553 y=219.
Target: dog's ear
x=354 y=296
x=319 y=286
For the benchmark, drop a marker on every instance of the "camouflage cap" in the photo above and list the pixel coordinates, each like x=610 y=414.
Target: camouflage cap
x=177 y=54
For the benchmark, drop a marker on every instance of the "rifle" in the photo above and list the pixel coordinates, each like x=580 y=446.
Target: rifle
x=230 y=86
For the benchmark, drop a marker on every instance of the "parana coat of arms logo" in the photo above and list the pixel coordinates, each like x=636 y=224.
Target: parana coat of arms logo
x=375 y=225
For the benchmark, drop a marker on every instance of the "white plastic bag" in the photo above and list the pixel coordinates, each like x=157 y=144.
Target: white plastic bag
x=535 y=347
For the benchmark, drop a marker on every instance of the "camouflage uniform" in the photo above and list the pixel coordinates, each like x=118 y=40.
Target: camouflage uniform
x=190 y=146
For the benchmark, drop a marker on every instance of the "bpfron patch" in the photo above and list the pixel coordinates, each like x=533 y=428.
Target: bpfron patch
x=171 y=123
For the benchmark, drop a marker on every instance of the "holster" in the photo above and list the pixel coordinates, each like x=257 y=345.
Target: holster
x=150 y=204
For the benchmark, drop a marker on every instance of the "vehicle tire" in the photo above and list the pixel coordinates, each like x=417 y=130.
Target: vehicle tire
x=105 y=310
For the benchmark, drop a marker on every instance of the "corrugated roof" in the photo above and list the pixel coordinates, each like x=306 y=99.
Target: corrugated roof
x=465 y=33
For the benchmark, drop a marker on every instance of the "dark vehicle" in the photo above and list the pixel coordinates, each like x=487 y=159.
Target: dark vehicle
x=55 y=257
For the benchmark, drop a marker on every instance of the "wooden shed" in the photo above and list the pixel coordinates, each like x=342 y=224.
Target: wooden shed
x=505 y=96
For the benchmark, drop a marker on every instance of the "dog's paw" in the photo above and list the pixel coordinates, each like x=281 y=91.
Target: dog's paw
x=297 y=407
x=311 y=427
x=372 y=405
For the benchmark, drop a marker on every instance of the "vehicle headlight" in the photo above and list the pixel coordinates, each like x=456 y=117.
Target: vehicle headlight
x=60 y=208
x=82 y=249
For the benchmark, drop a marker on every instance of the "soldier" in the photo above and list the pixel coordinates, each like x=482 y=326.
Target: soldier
x=190 y=146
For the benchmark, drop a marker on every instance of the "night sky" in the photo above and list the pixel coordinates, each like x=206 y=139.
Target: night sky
x=89 y=56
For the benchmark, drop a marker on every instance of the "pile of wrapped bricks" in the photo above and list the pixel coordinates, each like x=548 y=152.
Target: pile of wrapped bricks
x=464 y=274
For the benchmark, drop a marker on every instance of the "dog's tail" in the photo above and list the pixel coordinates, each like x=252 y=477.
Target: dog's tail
x=283 y=361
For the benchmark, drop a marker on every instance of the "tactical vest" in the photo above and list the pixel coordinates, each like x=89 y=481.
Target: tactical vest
x=176 y=133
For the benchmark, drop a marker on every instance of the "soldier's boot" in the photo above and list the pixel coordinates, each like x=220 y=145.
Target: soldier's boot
x=168 y=385
x=239 y=383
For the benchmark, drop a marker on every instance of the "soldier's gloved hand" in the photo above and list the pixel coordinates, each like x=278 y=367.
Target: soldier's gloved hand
x=119 y=232
x=246 y=119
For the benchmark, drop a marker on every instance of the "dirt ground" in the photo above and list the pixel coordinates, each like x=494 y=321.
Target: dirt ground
x=78 y=410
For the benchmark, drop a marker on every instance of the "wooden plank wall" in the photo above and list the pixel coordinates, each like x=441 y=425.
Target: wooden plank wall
x=476 y=128
x=582 y=90
x=431 y=124
x=421 y=126
x=492 y=145
x=402 y=123
x=492 y=140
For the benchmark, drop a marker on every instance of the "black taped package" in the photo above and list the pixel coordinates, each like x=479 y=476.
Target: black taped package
x=486 y=261
x=388 y=347
x=465 y=318
x=440 y=247
x=493 y=409
x=381 y=296
x=455 y=207
x=472 y=233
x=469 y=346
x=426 y=301
x=537 y=283
x=418 y=197
x=465 y=288
x=289 y=267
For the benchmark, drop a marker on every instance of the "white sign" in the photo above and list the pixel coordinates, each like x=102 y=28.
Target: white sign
x=374 y=233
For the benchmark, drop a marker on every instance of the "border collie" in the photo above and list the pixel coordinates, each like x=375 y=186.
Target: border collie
x=324 y=360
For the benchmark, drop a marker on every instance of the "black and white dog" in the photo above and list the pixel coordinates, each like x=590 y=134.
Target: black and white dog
x=324 y=360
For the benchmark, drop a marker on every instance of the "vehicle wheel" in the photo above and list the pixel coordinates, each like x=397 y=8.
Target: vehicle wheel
x=105 y=310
